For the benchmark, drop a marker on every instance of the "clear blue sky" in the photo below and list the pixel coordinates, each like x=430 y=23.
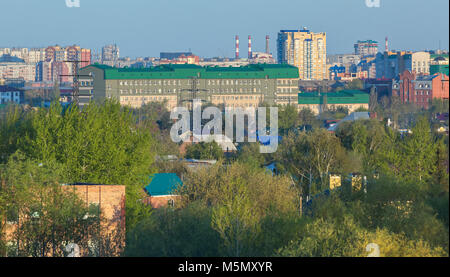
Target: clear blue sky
x=208 y=27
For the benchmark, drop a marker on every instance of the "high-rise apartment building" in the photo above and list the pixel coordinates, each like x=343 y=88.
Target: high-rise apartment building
x=366 y=48
x=57 y=65
x=110 y=54
x=305 y=50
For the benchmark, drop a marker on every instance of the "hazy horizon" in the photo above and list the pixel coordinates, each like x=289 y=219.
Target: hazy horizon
x=207 y=28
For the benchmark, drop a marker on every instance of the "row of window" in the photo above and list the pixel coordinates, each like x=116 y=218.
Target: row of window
x=209 y=82
x=148 y=98
x=422 y=93
x=421 y=63
x=422 y=99
x=287 y=90
x=87 y=83
x=246 y=97
x=226 y=90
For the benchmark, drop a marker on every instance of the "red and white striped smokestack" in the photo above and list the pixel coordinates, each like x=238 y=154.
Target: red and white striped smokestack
x=387 y=45
x=249 y=47
x=267 y=44
x=237 y=47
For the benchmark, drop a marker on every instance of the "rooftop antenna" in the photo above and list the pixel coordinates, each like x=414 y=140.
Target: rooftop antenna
x=237 y=48
x=386 y=45
x=249 y=47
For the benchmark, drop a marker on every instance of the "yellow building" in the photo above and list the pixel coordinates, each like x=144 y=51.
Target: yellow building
x=305 y=50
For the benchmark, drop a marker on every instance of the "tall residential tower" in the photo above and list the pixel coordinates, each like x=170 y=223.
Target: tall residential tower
x=305 y=50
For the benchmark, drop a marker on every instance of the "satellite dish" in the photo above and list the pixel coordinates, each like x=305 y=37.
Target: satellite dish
x=73 y=250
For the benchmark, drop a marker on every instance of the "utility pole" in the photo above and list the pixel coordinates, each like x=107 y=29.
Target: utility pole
x=194 y=90
x=75 y=75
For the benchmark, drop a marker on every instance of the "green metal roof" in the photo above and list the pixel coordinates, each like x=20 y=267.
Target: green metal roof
x=433 y=56
x=187 y=71
x=341 y=97
x=163 y=184
x=439 y=68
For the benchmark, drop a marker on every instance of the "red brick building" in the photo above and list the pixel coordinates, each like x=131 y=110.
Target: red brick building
x=108 y=199
x=420 y=89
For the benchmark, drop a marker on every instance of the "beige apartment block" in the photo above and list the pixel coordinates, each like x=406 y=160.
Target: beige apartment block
x=305 y=50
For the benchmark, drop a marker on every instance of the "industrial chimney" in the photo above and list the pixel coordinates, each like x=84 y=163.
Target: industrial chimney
x=237 y=47
x=249 y=47
x=267 y=44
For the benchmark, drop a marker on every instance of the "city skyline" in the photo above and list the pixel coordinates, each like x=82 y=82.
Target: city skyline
x=208 y=29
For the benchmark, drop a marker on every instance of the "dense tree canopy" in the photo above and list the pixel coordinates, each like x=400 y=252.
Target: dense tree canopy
x=235 y=207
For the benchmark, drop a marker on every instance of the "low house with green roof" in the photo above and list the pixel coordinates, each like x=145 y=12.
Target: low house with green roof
x=318 y=102
x=162 y=190
x=245 y=86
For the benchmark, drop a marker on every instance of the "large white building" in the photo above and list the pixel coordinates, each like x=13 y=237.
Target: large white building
x=12 y=67
x=30 y=56
x=420 y=62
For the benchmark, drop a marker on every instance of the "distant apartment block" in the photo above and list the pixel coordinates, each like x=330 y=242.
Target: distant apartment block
x=246 y=86
x=305 y=50
x=366 y=48
x=58 y=65
x=262 y=57
x=12 y=67
x=110 y=54
x=390 y=64
x=30 y=56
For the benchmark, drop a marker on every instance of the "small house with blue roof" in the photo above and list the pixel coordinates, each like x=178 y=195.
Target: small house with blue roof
x=162 y=189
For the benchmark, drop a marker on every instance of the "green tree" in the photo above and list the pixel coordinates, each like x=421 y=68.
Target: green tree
x=311 y=157
x=47 y=215
x=419 y=152
x=356 y=84
x=307 y=117
x=175 y=233
x=287 y=118
x=204 y=151
x=99 y=144
x=373 y=100
x=56 y=92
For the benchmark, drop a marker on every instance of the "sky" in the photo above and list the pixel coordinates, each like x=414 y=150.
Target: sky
x=208 y=27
